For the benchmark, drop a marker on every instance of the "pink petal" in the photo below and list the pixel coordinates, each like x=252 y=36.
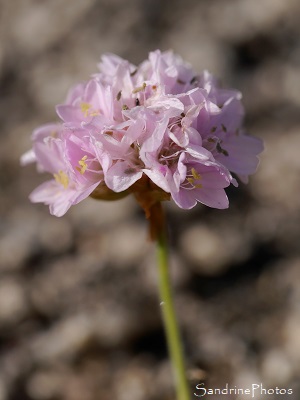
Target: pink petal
x=53 y=194
x=215 y=198
x=121 y=176
x=28 y=158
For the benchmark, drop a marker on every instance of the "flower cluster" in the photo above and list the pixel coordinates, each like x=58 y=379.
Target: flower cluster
x=159 y=126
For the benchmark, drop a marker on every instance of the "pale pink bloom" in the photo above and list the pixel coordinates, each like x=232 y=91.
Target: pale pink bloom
x=118 y=154
x=168 y=71
x=70 y=158
x=200 y=181
x=109 y=65
x=158 y=120
x=223 y=133
x=86 y=102
x=189 y=174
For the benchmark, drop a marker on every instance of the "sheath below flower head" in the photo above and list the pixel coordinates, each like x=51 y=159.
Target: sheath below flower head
x=157 y=130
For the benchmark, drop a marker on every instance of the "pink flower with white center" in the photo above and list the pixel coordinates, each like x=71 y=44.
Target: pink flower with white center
x=154 y=127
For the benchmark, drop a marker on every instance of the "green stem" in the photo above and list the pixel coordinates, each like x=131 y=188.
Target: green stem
x=168 y=312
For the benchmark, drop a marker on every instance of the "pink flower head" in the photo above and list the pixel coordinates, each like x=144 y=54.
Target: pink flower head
x=157 y=126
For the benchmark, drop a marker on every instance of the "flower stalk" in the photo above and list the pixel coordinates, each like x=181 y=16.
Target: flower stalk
x=174 y=342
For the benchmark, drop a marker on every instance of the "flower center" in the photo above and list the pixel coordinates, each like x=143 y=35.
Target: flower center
x=62 y=178
x=86 y=109
x=192 y=179
x=169 y=155
x=83 y=165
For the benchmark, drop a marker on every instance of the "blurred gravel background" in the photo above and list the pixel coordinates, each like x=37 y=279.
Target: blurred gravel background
x=79 y=312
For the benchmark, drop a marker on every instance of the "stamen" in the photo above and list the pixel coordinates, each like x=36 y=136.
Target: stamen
x=175 y=122
x=85 y=108
x=53 y=134
x=221 y=150
x=62 y=178
x=224 y=128
x=187 y=186
x=82 y=164
x=195 y=174
x=139 y=89
x=94 y=114
x=191 y=180
x=170 y=156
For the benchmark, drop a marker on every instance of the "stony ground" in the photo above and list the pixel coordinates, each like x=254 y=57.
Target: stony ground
x=79 y=312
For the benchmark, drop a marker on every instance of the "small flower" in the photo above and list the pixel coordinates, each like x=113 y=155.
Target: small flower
x=70 y=158
x=157 y=130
